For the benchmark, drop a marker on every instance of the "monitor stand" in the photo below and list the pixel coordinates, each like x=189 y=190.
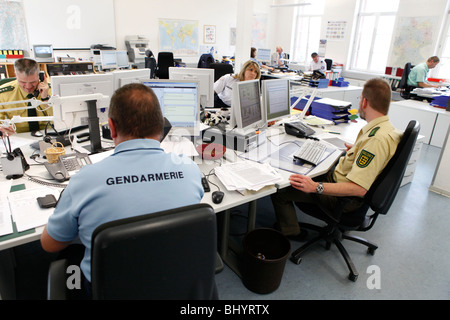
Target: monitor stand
x=94 y=128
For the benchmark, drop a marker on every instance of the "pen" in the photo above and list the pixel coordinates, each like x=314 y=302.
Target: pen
x=333 y=132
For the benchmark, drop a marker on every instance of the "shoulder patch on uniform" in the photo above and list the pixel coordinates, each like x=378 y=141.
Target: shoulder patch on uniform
x=6 y=89
x=364 y=159
x=374 y=131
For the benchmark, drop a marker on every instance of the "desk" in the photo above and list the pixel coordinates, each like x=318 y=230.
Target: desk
x=229 y=250
x=433 y=121
x=231 y=199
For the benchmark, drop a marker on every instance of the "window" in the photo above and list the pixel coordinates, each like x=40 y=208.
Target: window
x=373 y=35
x=307 y=27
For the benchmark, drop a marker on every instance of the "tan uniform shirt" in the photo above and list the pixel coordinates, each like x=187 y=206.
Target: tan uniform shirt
x=374 y=147
x=11 y=91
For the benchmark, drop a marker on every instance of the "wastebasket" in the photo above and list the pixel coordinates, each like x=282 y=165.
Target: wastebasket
x=265 y=254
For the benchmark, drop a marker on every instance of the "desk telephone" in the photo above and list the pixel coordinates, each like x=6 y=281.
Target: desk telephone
x=67 y=165
x=298 y=129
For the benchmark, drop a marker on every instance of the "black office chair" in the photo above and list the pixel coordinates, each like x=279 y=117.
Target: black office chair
x=165 y=61
x=205 y=60
x=166 y=255
x=405 y=89
x=378 y=198
x=329 y=63
x=150 y=63
x=221 y=69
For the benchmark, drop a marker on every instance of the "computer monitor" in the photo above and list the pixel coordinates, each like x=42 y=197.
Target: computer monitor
x=276 y=99
x=122 y=59
x=74 y=114
x=247 y=111
x=263 y=55
x=180 y=104
x=123 y=77
x=43 y=53
x=205 y=77
x=109 y=59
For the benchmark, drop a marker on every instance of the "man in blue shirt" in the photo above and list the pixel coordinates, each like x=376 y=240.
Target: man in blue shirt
x=138 y=178
x=419 y=74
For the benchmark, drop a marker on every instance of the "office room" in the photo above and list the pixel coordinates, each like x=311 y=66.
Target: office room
x=365 y=39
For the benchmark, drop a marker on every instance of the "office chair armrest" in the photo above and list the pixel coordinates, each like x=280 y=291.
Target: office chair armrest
x=56 y=282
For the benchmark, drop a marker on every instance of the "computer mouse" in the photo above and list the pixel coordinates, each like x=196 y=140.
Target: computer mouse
x=217 y=197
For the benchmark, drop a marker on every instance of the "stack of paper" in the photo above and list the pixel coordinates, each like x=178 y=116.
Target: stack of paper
x=247 y=175
x=25 y=209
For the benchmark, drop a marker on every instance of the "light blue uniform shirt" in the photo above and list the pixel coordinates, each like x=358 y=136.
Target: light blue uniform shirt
x=418 y=74
x=138 y=178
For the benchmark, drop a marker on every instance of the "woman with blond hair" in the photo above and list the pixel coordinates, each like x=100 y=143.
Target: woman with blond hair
x=224 y=86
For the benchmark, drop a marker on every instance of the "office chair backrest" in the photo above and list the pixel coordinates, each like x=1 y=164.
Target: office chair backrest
x=221 y=69
x=404 y=80
x=205 y=60
x=165 y=61
x=164 y=255
x=384 y=189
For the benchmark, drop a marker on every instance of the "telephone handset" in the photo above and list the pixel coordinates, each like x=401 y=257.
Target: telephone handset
x=41 y=79
x=67 y=165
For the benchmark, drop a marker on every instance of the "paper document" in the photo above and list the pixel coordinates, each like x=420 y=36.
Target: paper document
x=5 y=216
x=334 y=102
x=247 y=175
x=25 y=209
x=316 y=121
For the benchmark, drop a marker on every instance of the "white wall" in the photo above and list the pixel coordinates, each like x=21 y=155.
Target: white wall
x=141 y=17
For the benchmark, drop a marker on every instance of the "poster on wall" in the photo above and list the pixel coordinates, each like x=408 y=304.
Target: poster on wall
x=12 y=24
x=322 y=47
x=209 y=34
x=336 y=30
x=179 y=37
x=259 y=31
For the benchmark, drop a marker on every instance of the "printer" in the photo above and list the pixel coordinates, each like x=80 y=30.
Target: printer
x=136 y=47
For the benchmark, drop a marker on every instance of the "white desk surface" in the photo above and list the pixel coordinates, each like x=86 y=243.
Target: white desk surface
x=420 y=105
x=231 y=199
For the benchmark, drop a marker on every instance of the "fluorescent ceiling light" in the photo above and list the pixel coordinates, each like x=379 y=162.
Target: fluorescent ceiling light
x=290 y=5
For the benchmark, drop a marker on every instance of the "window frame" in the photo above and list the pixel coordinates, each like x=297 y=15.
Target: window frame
x=356 y=38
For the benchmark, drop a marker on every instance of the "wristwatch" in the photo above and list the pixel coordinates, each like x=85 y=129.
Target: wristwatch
x=319 y=188
x=45 y=99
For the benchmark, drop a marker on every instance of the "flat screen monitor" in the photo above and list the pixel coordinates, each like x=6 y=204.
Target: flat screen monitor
x=205 y=77
x=247 y=111
x=122 y=59
x=123 y=77
x=276 y=99
x=180 y=104
x=263 y=55
x=74 y=114
x=109 y=59
x=43 y=53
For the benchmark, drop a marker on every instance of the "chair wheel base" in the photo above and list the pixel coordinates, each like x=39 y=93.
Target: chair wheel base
x=353 y=277
x=296 y=260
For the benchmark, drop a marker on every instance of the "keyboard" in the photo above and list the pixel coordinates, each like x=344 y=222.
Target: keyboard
x=311 y=152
